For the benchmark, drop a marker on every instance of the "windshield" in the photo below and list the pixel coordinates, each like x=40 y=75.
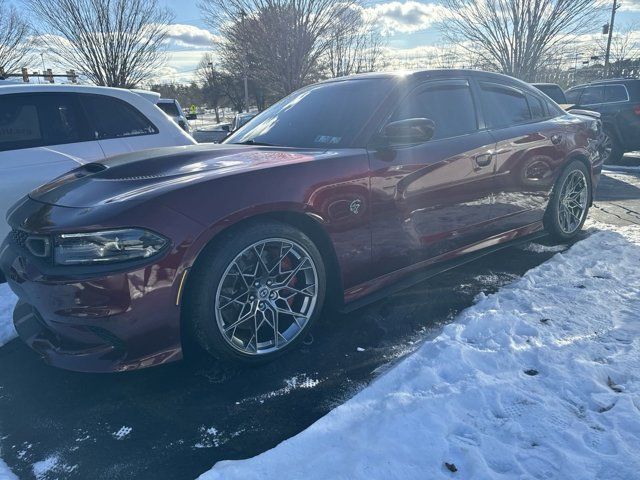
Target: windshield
x=328 y=115
x=169 y=108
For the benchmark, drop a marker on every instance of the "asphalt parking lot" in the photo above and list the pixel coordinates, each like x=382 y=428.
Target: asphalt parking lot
x=175 y=422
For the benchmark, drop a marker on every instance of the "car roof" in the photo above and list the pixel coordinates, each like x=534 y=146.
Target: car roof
x=166 y=100
x=88 y=89
x=609 y=81
x=419 y=75
x=614 y=80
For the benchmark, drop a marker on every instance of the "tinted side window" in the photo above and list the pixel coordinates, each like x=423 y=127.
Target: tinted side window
x=592 y=95
x=35 y=120
x=450 y=106
x=504 y=106
x=113 y=118
x=573 y=95
x=536 y=107
x=615 y=93
x=170 y=109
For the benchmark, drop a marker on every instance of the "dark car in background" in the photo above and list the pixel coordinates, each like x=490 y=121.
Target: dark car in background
x=217 y=133
x=337 y=194
x=240 y=120
x=553 y=91
x=214 y=134
x=618 y=102
x=171 y=107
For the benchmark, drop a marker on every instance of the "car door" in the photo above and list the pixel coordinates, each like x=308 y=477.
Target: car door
x=617 y=111
x=42 y=136
x=573 y=95
x=435 y=197
x=118 y=126
x=530 y=149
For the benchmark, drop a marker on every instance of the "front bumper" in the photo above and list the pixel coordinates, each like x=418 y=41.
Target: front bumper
x=114 y=322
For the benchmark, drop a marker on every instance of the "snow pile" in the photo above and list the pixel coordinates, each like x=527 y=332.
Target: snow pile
x=540 y=380
x=5 y=473
x=7 y=302
x=7 y=332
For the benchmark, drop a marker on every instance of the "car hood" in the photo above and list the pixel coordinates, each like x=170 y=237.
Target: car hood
x=143 y=174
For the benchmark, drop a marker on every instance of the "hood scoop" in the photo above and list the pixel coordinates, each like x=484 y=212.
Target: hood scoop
x=149 y=172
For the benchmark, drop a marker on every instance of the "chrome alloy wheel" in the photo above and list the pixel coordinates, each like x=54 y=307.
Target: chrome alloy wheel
x=266 y=296
x=607 y=146
x=574 y=196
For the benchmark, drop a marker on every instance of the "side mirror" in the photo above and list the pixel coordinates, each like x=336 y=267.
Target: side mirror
x=225 y=128
x=409 y=131
x=192 y=116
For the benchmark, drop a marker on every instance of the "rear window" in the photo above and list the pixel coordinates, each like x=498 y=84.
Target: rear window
x=39 y=119
x=169 y=108
x=113 y=118
x=615 y=93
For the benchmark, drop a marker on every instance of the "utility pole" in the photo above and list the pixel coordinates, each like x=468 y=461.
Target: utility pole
x=246 y=81
x=611 y=23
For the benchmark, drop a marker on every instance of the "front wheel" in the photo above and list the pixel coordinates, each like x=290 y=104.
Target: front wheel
x=254 y=295
x=569 y=203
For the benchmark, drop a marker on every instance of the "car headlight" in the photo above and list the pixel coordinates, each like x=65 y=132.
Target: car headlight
x=107 y=246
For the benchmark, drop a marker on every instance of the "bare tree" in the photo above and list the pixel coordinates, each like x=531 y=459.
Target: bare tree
x=117 y=43
x=211 y=79
x=16 y=46
x=515 y=36
x=280 y=42
x=625 y=45
x=233 y=88
x=355 y=44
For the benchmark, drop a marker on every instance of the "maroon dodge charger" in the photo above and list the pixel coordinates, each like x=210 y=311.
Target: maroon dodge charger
x=337 y=194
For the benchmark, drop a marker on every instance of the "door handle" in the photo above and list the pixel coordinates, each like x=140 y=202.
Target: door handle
x=483 y=160
x=556 y=138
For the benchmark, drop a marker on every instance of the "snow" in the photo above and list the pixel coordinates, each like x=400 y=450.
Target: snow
x=7 y=302
x=5 y=473
x=622 y=168
x=539 y=380
x=122 y=433
x=7 y=332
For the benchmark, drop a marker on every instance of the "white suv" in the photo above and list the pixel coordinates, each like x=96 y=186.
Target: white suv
x=46 y=130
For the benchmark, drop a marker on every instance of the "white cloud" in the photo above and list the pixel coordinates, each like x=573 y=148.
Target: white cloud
x=630 y=6
x=406 y=17
x=190 y=36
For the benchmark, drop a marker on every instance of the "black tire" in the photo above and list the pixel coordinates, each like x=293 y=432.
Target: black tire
x=551 y=220
x=616 y=152
x=207 y=273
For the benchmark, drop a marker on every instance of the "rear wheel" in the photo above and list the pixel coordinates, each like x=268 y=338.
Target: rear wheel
x=569 y=203
x=611 y=149
x=254 y=295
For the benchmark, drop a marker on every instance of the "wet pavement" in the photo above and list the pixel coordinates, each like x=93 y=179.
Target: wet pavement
x=175 y=422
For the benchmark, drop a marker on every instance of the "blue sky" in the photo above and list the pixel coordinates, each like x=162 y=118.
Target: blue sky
x=410 y=26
